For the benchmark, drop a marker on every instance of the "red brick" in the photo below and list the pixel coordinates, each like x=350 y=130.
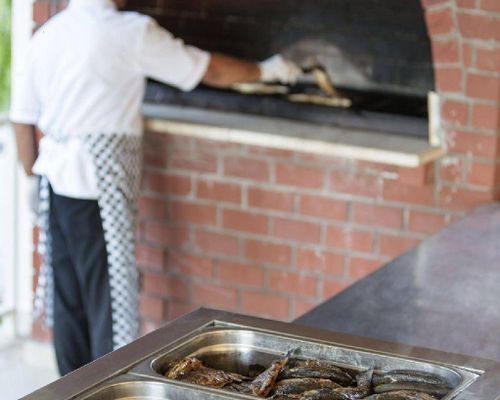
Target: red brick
x=417 y=176
x=464 y=199
x=176 y=142
x=439 y=21
x=482 y=174
x=359 y=267
x=455 y=112
x=471 y=4
x=348 y=238
x=373 y=214
x=152 y=308
x=426 y=222
x=147 y=327
x=296 y=230
x=449 y=79
x=164 y=234
x=150 y=257
x=292 y=283
x=155 y=155
x=396 y=191
x=267 y=151
x=452 y=170
x=488 y=59
x=296 y=175
x=369 y=166
x=191 y=266
x=445 y=51
x=193 y=160
x=240 y=274
x=393 y=246
x=320 y=261
x=467 y=54
x=41 y=11
x=332 y=288
x=168 y=184
x=160 y=285
x=323 y=207
x=265 y=305
x=267 y=252
x=246 y=168
x=490 y=5
x=214 y=296
x=431 y=3
x=353 y=183
x=217 y=243
x=225 y=192
x=474 y=144
x=245 y=221
x=193 y=213
x=483 y=86
x=262 y=198
x=485 y=116
x=479 y=26
x=151 y=207
x=300 y=307
x=179 y=308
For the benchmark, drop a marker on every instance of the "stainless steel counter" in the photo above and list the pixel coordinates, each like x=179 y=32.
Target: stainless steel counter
x=444 y=295
x=135 y=371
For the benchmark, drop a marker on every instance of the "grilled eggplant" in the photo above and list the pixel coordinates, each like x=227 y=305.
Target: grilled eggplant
x=300 y=385
x=402 y=395
x=309 y=368
x=408 y=380
x=263 y=383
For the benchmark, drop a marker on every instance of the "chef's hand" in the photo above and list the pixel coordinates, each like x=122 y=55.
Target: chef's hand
x=32 y=193
x=278 y=69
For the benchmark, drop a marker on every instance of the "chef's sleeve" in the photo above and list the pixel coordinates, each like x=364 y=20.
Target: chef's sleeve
x=25 y=102
x=168 y=59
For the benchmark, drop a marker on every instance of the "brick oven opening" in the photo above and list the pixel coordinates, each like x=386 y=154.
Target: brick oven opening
x=377 y=53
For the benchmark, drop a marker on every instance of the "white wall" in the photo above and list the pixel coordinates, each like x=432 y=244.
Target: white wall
x=22 y=26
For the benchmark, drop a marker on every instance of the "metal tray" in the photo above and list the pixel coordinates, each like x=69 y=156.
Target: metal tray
x=234 y=342
x=239 y=349
x=129 y=387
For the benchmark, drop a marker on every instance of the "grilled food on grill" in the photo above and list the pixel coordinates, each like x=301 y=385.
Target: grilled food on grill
x=294 y=378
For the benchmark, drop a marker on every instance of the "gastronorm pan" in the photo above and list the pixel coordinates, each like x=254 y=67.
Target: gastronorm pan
x=129 y=387
x=241 y=349
x=239 y=343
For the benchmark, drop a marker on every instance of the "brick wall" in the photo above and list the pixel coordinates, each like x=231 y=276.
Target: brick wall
x=273 y=233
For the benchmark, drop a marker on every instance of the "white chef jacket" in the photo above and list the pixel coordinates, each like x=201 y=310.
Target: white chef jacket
x=85 y=74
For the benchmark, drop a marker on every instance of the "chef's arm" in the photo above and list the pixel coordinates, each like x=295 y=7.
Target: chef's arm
x=224 y=71
x=26 y=146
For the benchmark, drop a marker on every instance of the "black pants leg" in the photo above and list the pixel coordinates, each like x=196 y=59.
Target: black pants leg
x=82 y=302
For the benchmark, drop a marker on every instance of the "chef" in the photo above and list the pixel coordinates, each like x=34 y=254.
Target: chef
x=82 y=87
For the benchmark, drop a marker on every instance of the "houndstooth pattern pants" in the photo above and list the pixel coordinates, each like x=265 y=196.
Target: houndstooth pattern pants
x=117 y=160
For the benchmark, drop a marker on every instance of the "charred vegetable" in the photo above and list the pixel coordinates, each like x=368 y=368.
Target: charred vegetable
x=401 y=395
x=310 y=368
x=408 y=380
x=300 y=385
x=263 y=384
